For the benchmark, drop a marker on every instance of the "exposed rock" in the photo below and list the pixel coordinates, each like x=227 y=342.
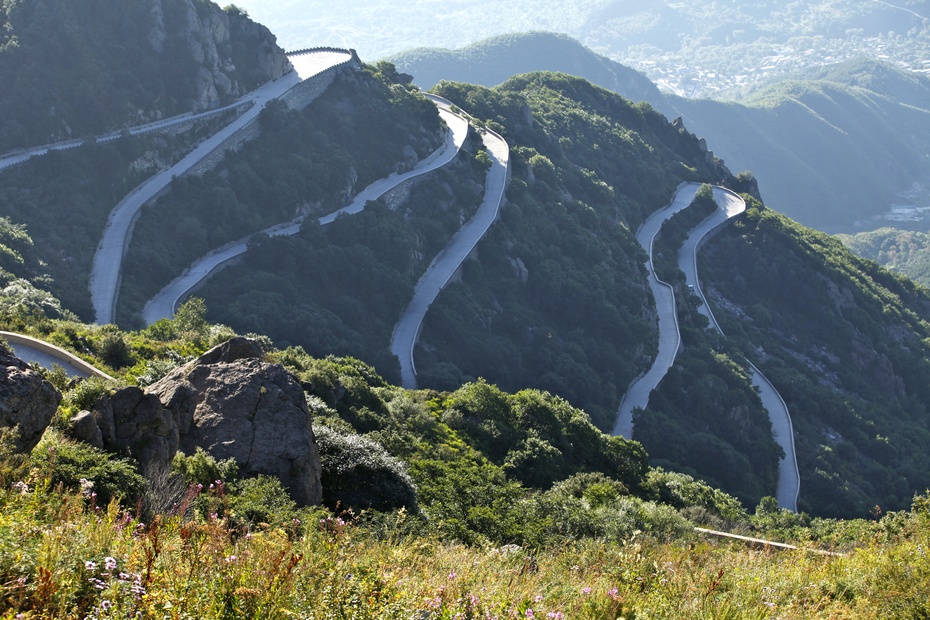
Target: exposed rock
x=228 y=402
x=135 y=422
x=208 y=35
x=27 y=400
x=83 y=427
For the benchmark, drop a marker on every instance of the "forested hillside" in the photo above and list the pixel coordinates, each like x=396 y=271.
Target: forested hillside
x=305 y=163
x=845 y=342
x=903 y=251
x=556 y=297
x=79 y=69
x=828 y=146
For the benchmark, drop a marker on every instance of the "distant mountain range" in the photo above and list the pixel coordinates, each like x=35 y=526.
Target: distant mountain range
x=828 y=148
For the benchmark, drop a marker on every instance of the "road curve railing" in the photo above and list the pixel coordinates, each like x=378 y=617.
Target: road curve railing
x=31 y=349
x=108 y=259
x=789 y=477
x=164 y=304
x=447 y=262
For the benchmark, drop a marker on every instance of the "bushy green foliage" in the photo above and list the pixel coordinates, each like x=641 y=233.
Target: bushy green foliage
x=903 y=251
x=202 y=468
x=79 y=467
x=358 y=473
x=262 y=500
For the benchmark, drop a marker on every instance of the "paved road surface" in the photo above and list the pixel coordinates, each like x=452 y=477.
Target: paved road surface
x=21 y=155
x=637 y=395
x=32 y=350
x=164 y=303
x=447 y=262
x=104 y=279
x=789 y=482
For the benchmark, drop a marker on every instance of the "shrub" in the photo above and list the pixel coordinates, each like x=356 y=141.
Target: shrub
x=83 y=396
x=359 y=473
x=80 y=467
x=202 y=468
x=262 y=499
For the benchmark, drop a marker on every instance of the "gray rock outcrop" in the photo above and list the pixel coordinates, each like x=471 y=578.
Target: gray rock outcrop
x=232 y=404
x=27 y=400
x=207 y=32
x=83 y=427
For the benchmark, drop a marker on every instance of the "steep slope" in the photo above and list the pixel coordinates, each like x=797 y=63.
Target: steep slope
x=828 y=147
x=72 y=70
x=846 y=342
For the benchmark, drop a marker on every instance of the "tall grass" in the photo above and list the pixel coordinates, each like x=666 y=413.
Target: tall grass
x=62 y=557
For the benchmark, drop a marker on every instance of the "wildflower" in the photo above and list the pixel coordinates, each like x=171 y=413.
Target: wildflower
x=230 y=559
x=87 y=487
x=91 y=566
x=105 y=604
x=529 y=613
x=21 y=487
x=555 y=615
x=612 y=593
x=586 y=590
x=452 y=575
x=296 y=521
x=109 y=563
x=539 y=598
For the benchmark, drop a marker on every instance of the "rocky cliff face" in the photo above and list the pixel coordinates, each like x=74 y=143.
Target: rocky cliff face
x=86 y=68
x=214 y=38
x=228 y=402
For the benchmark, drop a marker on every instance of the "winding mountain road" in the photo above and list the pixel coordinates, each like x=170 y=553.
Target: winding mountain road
x=637 y=395
x=107 y=267
x=166 y=301
x=789 y=479
x=447 y=262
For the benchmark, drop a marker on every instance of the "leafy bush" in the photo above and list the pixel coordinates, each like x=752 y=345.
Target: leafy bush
x=359 y=473
x=262 y=499
x=80 y=467
x=202 y=468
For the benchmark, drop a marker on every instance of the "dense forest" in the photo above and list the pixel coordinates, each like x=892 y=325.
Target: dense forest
x=846 y=343
x=582 y=159
x=903 y=251
x=305 y=163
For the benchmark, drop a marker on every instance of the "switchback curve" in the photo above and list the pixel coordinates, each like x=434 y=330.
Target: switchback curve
x=165 y=302
x=447 y=262
x=637 y=395
x=107 y=267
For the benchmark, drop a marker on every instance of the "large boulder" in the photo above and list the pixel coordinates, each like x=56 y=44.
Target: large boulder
x=232 y=404
x=27 y=400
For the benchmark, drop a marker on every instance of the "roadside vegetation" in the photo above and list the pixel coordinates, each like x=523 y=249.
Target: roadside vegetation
x=474 y=502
